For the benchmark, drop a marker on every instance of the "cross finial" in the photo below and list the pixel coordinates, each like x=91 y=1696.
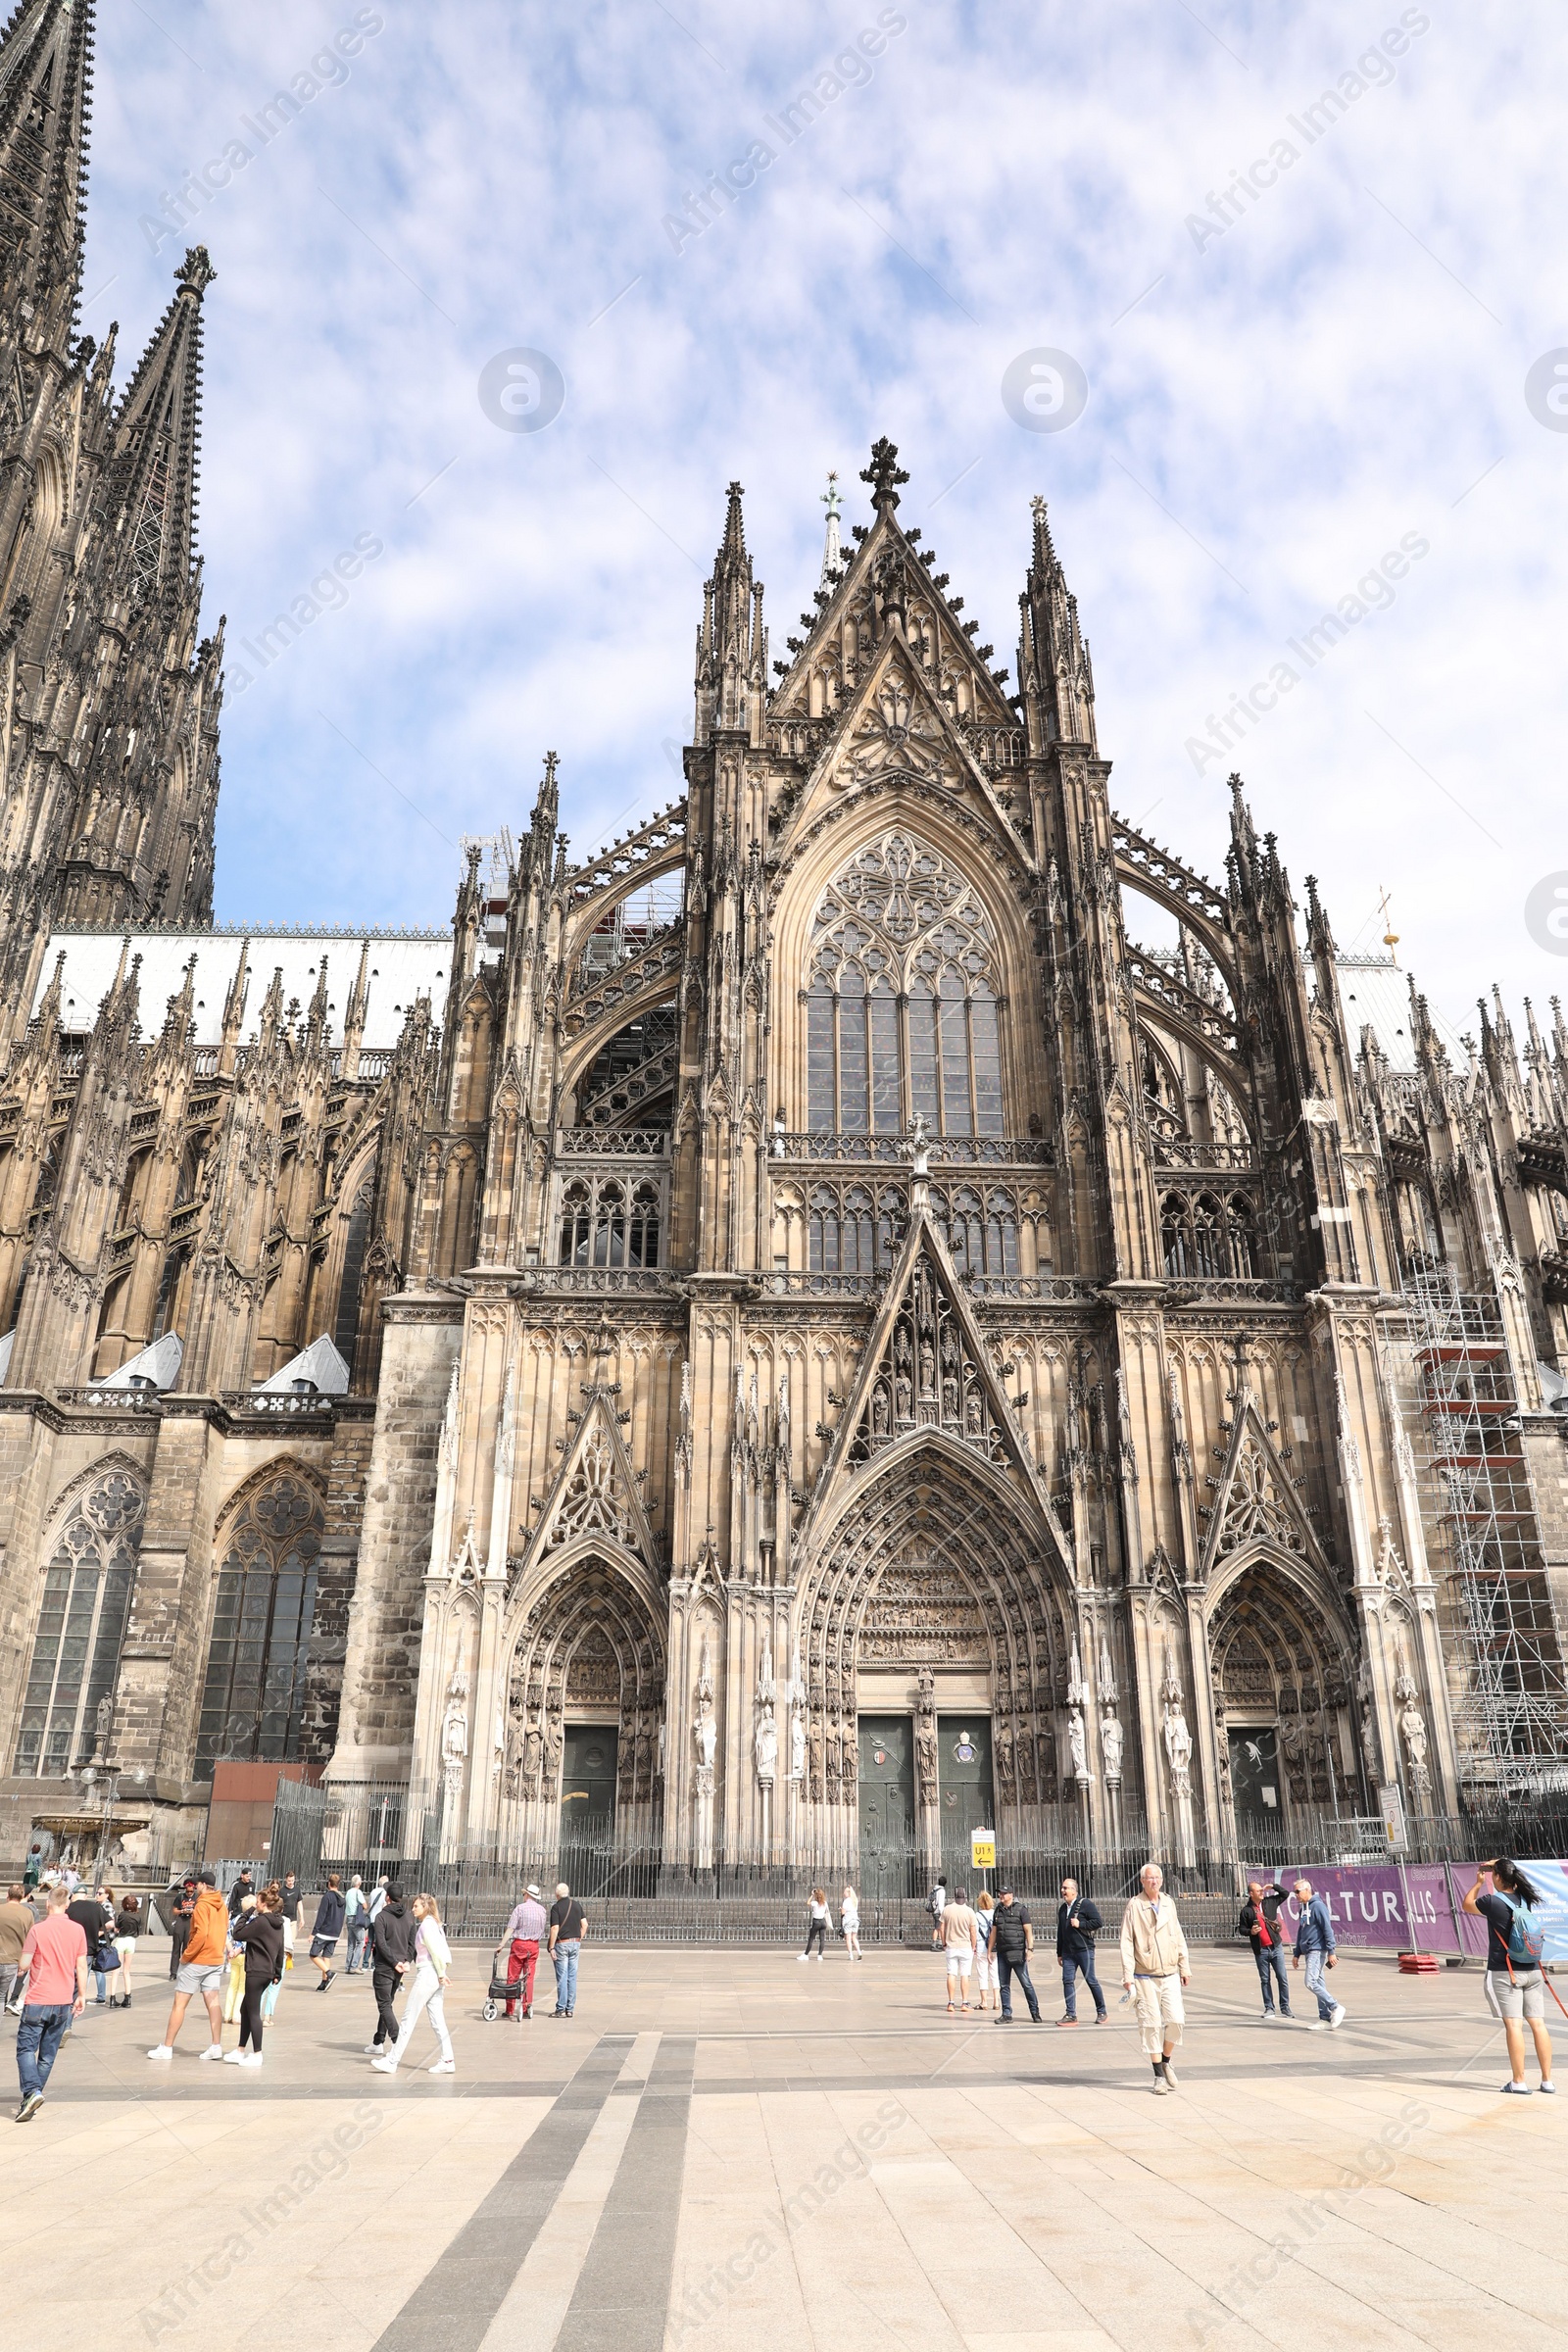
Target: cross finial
x=830 y=496
x=1391 y=937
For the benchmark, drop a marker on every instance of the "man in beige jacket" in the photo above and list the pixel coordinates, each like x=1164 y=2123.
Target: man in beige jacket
x=1153 y=1969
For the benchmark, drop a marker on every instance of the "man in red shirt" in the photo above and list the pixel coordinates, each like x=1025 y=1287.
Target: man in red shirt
x=53 y=1961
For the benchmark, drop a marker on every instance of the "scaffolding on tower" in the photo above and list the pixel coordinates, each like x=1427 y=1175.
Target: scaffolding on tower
x=1511 y=1715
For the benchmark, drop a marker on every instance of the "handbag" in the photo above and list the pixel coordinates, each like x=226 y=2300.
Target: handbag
x=107 y=1960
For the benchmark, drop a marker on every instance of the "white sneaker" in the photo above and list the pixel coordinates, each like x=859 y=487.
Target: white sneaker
x=1338 y=2019
x=375 y=2049
x=1518 y=2090
x=161 y=2049
x=819 y=1958
x=213 y=2052
x=383 y=2066
x=1548 y=2091
x=252 y=2058
x=443 y=2066
x=1268 y=2018
x=233 y=2057
x=1315 y=2025
x=803 y=1956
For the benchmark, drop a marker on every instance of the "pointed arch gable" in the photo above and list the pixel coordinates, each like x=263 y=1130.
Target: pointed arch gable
x=63 y=1505
x=596 y=1502
x=249 y=1487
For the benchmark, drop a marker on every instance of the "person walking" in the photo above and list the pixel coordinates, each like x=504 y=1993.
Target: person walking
x=259 y=1933
x=1011 y=1941
x=1155 y=1966
x=201 y=1968
x=528 y=1924
x=961 y=1940
x=357 y=1920
x=179 y=1902
x=16 y=1924
x=1078 y=1923
x=269 y=1993
x=567 y=1927
x=1314 y=1945
x=53 y=1961
x=392 y=1956
x=128 y=1925
x=849 y=1923
x=936 y=1905
x=432 y=1960
x=330 y=1914
x=1515 y=1988
x=243 y=1890
x=816 y=1925
x=292 y=1899
x=988 y=1977
x=1259 y=1923
x=96 y=1922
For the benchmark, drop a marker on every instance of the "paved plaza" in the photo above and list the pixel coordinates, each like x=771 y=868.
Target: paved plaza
x=725 y=2149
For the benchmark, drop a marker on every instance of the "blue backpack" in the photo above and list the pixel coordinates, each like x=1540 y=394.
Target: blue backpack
x=1526 y=1937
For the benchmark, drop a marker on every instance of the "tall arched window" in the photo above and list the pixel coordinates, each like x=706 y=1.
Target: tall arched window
x=82 y=1624
x=253 y=1701
x=902 y=1010
x=346 y=1330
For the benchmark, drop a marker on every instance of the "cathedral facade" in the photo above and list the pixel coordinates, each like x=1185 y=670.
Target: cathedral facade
x=786 y=1340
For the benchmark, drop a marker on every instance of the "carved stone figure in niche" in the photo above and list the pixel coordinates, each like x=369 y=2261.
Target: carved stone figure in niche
x=879 y=1409
x=1110 y=1747
x=1178 y=1739
x=905 y=1395
x=454 y=1732
x=533 y=1751
x=554 y=1741
x=928 y=1368
x=1004 y=1753
x=1078 y=1746
x=926 y=1748
x=797 y=1745
x=765 y=1745
x=974 y=1415
x=705 y=1730
x=950 y=1396
x=1413 y=1732
x=814 y=1744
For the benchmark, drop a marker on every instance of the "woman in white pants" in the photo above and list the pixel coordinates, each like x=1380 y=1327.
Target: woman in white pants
x=432 y=1958
x=850 y=1921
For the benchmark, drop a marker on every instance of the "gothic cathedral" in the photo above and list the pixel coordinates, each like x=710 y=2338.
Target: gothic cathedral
x=790 y=1338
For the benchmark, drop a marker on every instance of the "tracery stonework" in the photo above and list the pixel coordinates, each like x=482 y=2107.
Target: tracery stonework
x=811 y=1225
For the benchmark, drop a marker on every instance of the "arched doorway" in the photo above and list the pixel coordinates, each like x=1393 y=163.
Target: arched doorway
x=934 y=1652
x=583 y=1771
x=1284 y=1680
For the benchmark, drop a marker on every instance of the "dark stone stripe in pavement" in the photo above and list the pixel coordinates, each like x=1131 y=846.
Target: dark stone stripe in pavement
x=622 y=2291
x=454 y=2304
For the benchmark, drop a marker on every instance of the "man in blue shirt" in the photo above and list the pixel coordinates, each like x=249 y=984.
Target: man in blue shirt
x=1314 y=1943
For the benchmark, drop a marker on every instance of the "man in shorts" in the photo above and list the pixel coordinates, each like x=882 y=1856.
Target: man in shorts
x=1155 y=1966
x=201 y=1969
x=330 y=1913
x=960 y=1931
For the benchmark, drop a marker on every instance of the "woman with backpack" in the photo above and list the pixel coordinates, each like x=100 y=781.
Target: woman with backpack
x=1516 y=1991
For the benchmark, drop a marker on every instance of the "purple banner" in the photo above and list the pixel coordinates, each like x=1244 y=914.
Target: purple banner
x=1367 y=1903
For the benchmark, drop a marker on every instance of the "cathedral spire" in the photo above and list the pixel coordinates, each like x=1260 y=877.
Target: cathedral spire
x=45 y=105
x=1054 y=674
x=154 y=462
x=832 y=554
x=731 y=640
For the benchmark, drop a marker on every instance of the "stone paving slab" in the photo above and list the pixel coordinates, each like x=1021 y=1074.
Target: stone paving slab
x=724 y=2148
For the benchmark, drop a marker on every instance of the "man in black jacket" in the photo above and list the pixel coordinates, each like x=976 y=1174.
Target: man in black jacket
x=327 y=1928
x=1259 y=1923
x=1013 y=1939
x=392 y=1947
x=1078 y=1922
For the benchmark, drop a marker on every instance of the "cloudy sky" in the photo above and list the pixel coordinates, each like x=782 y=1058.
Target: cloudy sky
x=1308 y=399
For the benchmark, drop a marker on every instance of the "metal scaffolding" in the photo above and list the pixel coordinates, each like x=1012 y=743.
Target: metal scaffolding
x=1511 y=1716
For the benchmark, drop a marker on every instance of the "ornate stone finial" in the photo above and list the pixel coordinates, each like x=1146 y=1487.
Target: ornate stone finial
x=830 y=496
x=884 y=473
x=920 y=1143
x=196 y=272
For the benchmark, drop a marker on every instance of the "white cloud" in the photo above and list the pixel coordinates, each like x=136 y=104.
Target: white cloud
x=1338 y=368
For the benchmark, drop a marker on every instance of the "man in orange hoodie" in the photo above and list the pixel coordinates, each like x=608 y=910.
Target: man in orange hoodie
x=201 y=1968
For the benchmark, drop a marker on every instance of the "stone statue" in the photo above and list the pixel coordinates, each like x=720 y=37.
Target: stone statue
x=766 y=1742
x=1110 y=1745
x=920 y=1165
x=704 y=1732
x=797 y=1745
x=1078 y=1744
x=104 y=1718
x=1178 y=1746
x=553 y=1741
x=1413 y=1732
x=533 y=1748
x=454 y=1732
x=814 y=1737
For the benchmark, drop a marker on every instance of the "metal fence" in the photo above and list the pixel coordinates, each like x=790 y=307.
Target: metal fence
x=379 y=1829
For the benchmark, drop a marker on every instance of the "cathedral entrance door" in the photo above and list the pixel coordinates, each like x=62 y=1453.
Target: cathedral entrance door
x=964 y=1790
x=587 y=1804
x=887 y=1805
x=1255 y=1778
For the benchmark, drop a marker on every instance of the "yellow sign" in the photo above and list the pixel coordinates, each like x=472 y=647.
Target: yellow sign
x=983 y=1850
